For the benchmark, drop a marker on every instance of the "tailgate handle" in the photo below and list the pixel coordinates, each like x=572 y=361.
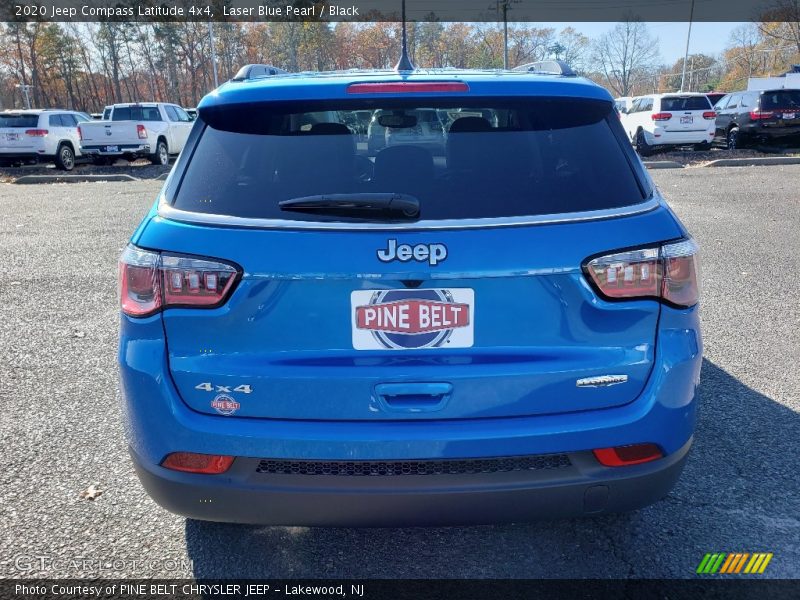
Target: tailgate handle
x=413 y=397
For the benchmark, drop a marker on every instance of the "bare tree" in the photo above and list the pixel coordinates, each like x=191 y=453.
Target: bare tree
x=625 y=55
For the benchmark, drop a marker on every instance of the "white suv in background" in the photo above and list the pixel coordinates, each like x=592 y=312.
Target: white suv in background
x=42 y=135
x=658 y=121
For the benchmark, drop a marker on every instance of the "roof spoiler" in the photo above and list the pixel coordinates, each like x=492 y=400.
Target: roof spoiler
x=257 y=72
x=547 y=67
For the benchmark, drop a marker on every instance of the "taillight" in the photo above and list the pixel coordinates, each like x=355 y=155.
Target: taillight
x=141 y=131
x=36 y=132
x=406 y=87
x=191 y=462
x=667 y=273
x=709 y=114
x=150 y=281
x=80 y=133
x=760 y=115
x=623 y=456
x=663 y=116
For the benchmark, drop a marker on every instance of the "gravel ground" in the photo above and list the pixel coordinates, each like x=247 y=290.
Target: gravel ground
x=141 y=169
x=60 y=429
x=691 y=158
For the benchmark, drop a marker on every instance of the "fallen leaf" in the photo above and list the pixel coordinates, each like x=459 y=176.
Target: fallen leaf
x=92 y=492
x=79 y=334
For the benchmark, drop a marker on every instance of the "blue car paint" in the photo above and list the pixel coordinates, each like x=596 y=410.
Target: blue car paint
x=326 y=404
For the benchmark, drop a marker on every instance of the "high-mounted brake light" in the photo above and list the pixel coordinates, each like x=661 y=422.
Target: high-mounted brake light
x=36 y=132
x=141 y=131
x=150 y=281
x=760 y=115
x=623 y=456
x=709 y=114
x=667 y=273
x=191 y=462
x=662 y=116
x=407 y=87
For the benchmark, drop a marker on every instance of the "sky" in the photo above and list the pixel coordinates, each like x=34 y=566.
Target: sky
x=707 y=38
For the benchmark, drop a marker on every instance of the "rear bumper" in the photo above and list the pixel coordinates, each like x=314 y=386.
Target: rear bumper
x=242 y=495
x=677 y=138
x=760 y=132
x=99 y=150
x=13 y=155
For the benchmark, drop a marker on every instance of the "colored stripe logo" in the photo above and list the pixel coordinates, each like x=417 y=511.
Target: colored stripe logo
x=734 y=562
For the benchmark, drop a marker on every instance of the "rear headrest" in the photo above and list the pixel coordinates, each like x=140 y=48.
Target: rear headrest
x=329 y=129
x=473 y=124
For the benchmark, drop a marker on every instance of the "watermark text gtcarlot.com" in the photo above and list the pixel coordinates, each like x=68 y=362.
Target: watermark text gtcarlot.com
x=27 y=563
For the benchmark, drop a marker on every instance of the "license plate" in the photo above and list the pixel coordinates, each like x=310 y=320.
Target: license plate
x=12 y=137
x=685 y=120
x=408 y=319
x=111 y=149
x=789 y=115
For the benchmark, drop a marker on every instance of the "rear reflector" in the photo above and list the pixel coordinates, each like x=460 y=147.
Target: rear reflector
x=189 y=462
x=36 y=132
x=623 y=456
x=407 y=87
x=150 y=281
x=667 y=273
x=662 y=116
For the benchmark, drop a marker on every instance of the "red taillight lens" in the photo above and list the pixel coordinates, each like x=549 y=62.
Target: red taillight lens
x=190 y=462
x=407 y=87
x=80 y=133
x=760 y=115
x=36 y=132
x=141 y=130
x=666 y=273
x=663 y=116
x=709 y=114
x=623 y=456
x=150 y=281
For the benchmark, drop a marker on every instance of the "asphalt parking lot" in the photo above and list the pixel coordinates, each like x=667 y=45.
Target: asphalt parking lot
x=60 y=427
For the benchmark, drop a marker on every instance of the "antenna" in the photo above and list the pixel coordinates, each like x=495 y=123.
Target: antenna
x=404 y=64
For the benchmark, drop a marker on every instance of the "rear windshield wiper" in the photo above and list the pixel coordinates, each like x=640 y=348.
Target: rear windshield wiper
x=364 y=205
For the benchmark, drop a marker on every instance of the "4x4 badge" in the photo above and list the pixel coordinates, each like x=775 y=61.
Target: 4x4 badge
x=430 y=253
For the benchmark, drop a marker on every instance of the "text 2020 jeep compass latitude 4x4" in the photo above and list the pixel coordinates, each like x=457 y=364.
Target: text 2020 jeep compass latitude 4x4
x=316 y=333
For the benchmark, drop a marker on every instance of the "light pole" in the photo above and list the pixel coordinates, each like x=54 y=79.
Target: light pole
x=213 y=53
x=688 y=37
x=25 y=87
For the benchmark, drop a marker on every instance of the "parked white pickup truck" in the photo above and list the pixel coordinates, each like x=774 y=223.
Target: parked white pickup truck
x=152 y=130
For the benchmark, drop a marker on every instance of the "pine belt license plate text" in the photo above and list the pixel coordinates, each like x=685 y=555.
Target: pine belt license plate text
x=687 y=120
x=410 y=319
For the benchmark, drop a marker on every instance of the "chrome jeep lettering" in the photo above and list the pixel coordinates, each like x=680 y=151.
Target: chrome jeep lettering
x=430 y=253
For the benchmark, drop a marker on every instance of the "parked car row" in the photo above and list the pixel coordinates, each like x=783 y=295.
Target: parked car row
x=153 y=130
x=663 y=121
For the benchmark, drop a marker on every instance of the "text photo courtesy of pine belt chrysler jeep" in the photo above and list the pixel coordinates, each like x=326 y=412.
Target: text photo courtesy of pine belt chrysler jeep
x=315 y=331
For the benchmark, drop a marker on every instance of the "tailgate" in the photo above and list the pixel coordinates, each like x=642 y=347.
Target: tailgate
x=109 y=133
x=14 y=139
x=319 y=328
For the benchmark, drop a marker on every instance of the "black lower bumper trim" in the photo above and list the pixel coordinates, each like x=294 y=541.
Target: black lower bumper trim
x=243 y=495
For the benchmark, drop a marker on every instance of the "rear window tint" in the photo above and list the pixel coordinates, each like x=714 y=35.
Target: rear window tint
x=19 y=120
x=688 y=103
x=500 y=159
x=136 y=113
x=780 y=99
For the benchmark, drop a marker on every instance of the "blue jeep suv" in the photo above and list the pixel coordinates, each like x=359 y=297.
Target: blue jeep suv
x=317 y=330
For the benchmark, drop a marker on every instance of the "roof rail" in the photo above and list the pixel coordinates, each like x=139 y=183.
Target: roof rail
x=547 y=67
x=257 y=72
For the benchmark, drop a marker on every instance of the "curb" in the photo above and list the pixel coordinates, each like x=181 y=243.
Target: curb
x=28 y=179
x=663 y=164
x=754 y=162
x=162 y=177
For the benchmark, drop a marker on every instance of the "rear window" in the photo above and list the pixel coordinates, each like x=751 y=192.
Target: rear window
x=497 y=159
x=780 y=99
x=686 y=103
x=136 y=113
x=19 y=120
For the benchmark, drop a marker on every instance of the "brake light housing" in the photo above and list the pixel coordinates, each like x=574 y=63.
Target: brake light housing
x=80 y=133
x=668 y=273
x=152 y=281
x=141 y=131
x=36 y=132
x=407 y=87
x=709 y=114
x=661 y=116
x=761 y=115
